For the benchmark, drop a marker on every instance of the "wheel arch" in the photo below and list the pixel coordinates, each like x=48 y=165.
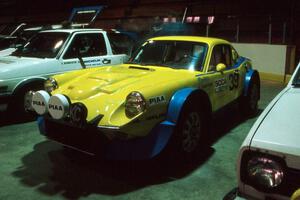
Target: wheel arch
x=250 y=77
x=180 y=99
x=28 y=82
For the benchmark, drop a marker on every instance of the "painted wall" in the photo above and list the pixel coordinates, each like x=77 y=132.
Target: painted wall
x=265 y=58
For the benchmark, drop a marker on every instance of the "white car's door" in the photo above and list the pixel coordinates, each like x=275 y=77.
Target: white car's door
x=88 y=50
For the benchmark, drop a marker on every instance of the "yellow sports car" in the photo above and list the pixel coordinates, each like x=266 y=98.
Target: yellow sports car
x=164 y=97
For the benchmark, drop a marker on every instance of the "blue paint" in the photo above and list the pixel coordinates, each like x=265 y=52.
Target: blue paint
x=247 y=80
x=176 y=103
x=41 y=125
x=238 y=63
x=141 y=148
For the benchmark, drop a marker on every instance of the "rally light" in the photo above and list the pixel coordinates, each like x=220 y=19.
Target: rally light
x=58 y=106
x=39 y=102
x=135 y=104
x=264 y=173
x=50 y=84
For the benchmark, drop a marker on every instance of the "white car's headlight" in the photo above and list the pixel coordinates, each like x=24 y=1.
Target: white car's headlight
x=50 y=84
x=263 y=172
x=135 y=104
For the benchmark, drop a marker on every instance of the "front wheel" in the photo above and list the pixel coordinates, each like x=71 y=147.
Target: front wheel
x=190 y=133
x=20 y=107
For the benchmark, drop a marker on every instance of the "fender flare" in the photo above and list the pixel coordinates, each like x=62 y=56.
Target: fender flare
x=165 y=129
x=27 y=82
x=250 y=76
x=176 y=103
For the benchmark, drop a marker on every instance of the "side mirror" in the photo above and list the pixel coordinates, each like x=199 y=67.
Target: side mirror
x=221 y=67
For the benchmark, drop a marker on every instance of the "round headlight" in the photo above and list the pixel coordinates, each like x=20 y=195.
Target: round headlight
x=135 y=104
x=50 y=84
x=265 y=172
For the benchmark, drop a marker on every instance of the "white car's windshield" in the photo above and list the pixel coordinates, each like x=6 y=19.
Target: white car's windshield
x=43 y=45
x=174 y=54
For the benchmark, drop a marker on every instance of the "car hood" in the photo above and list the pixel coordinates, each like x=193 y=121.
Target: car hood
x=11 y=66
x=108 y=80
x=279 y=130
x=6 y=52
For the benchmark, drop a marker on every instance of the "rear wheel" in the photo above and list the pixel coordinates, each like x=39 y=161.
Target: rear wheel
x=249 y=103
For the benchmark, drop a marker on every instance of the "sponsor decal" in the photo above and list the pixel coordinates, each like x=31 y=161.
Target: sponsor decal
x=234 y=80
x=149 y=118
x=220 y=85
x=158 y=116
x=69 y=62
x=157 y=100
x=38 y=103
x=55 y=107
x=58 y=106
x=86 y=62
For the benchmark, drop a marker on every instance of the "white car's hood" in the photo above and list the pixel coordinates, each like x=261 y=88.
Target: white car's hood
x=11 y=66
x=280 y=129
x=6 y=52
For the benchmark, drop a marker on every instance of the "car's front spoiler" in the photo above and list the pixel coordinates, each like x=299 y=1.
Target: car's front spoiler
x=92 y=140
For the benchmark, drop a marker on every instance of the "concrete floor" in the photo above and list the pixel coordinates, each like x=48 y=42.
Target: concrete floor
x=32 y=167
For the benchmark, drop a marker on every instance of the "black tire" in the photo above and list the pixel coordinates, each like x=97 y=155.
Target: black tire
x=249 y=103
x=190 y=133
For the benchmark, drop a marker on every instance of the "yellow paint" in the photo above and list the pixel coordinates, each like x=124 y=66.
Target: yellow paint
x=296 y=195
x=104 y=90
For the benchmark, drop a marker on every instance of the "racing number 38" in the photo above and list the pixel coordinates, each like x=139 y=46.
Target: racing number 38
x=234 y=80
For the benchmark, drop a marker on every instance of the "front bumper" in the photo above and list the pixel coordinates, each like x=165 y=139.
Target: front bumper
x=92 y=140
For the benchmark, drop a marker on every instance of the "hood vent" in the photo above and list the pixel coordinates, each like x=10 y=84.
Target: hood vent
x=141 y=68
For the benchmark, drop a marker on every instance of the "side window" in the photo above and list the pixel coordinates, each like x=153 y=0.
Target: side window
x=227 y=56
x=216 y=58
x=235 y=55
x=86 y=45
x=220 y=54
x=120 y=43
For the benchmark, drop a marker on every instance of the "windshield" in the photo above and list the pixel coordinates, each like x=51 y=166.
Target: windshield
x=43 y=45
x=174 y=54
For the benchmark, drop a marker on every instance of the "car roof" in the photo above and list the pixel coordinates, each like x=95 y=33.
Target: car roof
x=75 y=30
x=208 y=40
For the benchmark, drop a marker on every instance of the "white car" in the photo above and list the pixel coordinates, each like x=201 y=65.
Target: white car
x=269 y=158
x=51 y=52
